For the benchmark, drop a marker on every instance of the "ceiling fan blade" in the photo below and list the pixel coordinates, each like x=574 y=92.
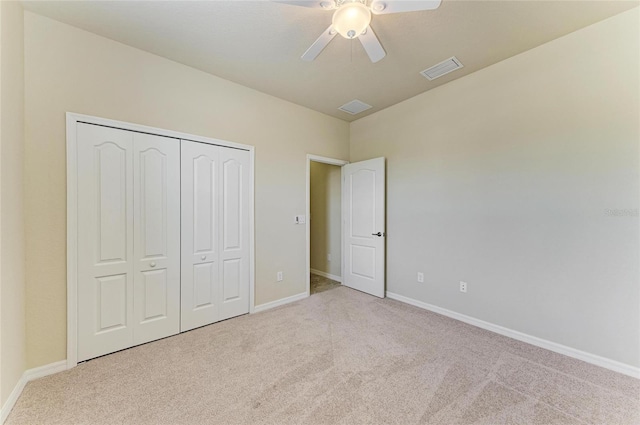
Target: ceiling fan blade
x=319 y=45
x=315 y=4
x=382 y=7
x=372 y=45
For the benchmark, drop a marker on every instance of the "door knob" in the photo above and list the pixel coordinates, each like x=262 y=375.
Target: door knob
x=204 y=257
x=153 y=264
x=379 y=234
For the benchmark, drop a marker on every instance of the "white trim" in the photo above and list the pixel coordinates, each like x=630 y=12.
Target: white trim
x=278 y=303
x=529 y=339
x=72 y=207
x=46 y=370
x=325 y=160
x=252 y=232
x=29 y=375
x=72 y=241
x=327 y=275
x=13 y=398
x=153 y=130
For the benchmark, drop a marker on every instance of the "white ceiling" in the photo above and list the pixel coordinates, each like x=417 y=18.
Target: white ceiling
x=259 y=43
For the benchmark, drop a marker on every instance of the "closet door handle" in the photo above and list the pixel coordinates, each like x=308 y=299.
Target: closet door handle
x=379 y=234
x=153 y=264
x=204 y=257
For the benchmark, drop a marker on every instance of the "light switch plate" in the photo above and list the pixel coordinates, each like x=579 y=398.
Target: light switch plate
x=300 y=219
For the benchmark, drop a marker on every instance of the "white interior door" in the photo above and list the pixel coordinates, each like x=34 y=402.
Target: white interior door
x=363 y=212
x=105 y=240
x=215 y=233
x=156 y=247
x=234 y=234
x=200 y=236
x=128 y=239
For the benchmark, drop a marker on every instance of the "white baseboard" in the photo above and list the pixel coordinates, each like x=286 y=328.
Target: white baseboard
x=278 y=303
x=327 y=275
x=529 y=339
x=29 y=375
x=13 y=397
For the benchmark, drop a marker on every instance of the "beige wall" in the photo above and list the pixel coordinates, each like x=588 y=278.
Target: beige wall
x=506 y=179
x=67 y=69
x=325 y=220
x=12 y=280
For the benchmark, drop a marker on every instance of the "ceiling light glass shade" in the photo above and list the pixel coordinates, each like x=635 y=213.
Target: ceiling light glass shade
x=351 y=19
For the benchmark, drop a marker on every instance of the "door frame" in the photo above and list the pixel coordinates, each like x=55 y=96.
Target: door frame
x=72 y=119
x=330 y=161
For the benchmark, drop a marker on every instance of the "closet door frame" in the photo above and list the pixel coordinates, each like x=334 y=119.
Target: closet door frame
x=73 y=119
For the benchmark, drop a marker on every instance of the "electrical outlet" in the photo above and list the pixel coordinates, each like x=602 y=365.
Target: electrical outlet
x=420 y=277
x=463 y=286
x=279 y=276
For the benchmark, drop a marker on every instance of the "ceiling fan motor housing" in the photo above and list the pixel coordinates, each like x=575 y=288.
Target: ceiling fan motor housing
x=351 y=19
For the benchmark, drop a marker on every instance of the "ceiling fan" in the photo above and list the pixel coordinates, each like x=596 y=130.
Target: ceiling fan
x=351 y=20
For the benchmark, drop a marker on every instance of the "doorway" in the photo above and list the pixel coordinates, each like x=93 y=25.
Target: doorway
x=324 y=230
x=362 y=225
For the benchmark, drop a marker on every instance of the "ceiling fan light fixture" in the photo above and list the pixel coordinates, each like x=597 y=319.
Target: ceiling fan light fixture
x=351 y=19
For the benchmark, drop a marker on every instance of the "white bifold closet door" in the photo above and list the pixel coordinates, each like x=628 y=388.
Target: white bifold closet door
x=128 y=239
x=215 y=233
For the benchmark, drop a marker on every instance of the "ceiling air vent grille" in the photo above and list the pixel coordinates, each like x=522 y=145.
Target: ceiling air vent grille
x=355 y=107
x=442 y=68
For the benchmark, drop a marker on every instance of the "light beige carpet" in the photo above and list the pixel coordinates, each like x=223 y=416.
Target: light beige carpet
x=340 y=357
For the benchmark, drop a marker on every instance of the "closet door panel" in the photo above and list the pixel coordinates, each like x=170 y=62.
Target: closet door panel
x=105 y=240
x=204 y=279
x=155 y=288
x=156 y=237
x=111 y=294
x=232 y=279
x=200 y=236
x=163 y=237
x=234 y=235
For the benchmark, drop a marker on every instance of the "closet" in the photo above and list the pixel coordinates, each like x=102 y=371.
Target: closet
x=162 y=236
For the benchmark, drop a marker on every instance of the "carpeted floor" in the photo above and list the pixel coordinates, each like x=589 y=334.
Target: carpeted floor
x=337 y=357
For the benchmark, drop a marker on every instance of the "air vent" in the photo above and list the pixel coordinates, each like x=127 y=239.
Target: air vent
x=354 y=107
x=442 y=68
